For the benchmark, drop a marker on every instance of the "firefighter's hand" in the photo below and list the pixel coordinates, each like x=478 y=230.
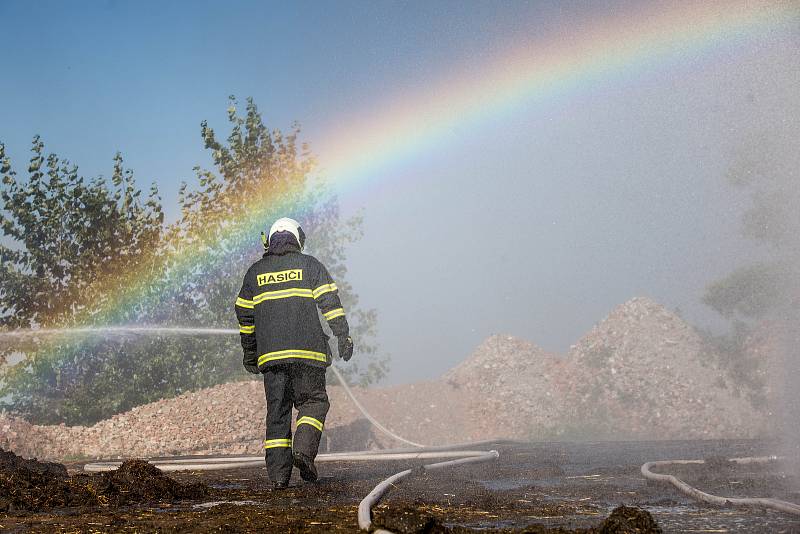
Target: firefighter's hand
x=346 y=348
x=250 y=362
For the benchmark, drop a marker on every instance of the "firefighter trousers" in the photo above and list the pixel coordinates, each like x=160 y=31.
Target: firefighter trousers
x=301 y=386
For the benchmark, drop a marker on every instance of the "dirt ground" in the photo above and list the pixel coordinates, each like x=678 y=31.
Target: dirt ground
x=552 y=487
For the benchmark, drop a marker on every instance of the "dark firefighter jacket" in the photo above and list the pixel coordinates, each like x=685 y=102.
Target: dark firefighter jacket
x=277 y=311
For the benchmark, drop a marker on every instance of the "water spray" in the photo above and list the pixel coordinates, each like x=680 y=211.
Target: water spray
x=119 y=330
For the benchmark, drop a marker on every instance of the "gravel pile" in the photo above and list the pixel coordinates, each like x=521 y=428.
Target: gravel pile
x=516 y=389
x=643 y=373
x=639 y=374
x=229 y=419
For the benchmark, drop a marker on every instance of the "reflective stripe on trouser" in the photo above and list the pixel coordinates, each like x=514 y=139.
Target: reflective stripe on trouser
x=303 y=386
x=273 y=443
x=308 y=433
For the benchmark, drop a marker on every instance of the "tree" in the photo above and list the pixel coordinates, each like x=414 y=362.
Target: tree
x=68 y=237
x=95 y=253
x=69 y=232
x=767 y=167
x=766 y=290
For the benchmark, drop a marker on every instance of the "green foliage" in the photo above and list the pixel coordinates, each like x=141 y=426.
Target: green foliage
x=77 y=246
x=598 y=357
x=730 y=352
x=67 y=236
x=749 y=292
x=765 y=167
x=68 y=232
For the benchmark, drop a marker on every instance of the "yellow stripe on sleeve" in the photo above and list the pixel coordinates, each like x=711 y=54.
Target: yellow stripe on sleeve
x=333 y=314
x=244 y=303
x=325 y=288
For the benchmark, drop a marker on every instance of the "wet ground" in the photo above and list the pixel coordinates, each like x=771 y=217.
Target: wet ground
x=530 y=488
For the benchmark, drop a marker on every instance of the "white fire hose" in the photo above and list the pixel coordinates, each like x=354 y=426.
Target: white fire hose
x=774 y=504
x=374 y=497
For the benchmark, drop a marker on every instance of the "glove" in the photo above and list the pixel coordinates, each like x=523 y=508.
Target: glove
x=250 y=363
x=346 y=348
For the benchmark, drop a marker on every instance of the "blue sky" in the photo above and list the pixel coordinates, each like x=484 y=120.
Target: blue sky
x=140 y=76
x=534 y=223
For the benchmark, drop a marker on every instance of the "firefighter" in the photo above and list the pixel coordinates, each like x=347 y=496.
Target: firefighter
x=283 y=339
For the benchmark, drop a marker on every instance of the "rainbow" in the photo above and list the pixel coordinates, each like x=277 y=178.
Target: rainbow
x=554 y=65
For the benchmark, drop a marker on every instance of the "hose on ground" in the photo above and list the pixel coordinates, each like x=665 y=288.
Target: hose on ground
x=224 y=462
x=773 y=504
x=375 y=496
x=364 y=411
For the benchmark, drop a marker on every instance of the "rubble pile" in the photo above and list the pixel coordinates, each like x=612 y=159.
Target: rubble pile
x=516 y=389
x=213 y=420
x=229 y=419
x=641 y=373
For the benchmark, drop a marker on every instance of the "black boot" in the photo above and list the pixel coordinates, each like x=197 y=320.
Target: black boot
x=279 y=475
x=308 y=471
x=281 y=485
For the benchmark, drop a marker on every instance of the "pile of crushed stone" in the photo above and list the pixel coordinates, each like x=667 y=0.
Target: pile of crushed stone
x=641 y=373
x=29 y=485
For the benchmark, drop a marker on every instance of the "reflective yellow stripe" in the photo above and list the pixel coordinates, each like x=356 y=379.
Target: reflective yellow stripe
x=292 y=353
x=283 y=294
x=306 y=420
x=325 y=288
x=273 y=443
x=247 y=329
x=333 y=314
x=244 y=303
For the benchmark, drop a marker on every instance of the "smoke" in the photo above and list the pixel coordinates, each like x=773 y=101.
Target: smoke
x=767 y=165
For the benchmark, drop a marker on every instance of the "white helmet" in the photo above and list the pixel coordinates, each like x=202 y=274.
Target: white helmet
x=285 y=224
